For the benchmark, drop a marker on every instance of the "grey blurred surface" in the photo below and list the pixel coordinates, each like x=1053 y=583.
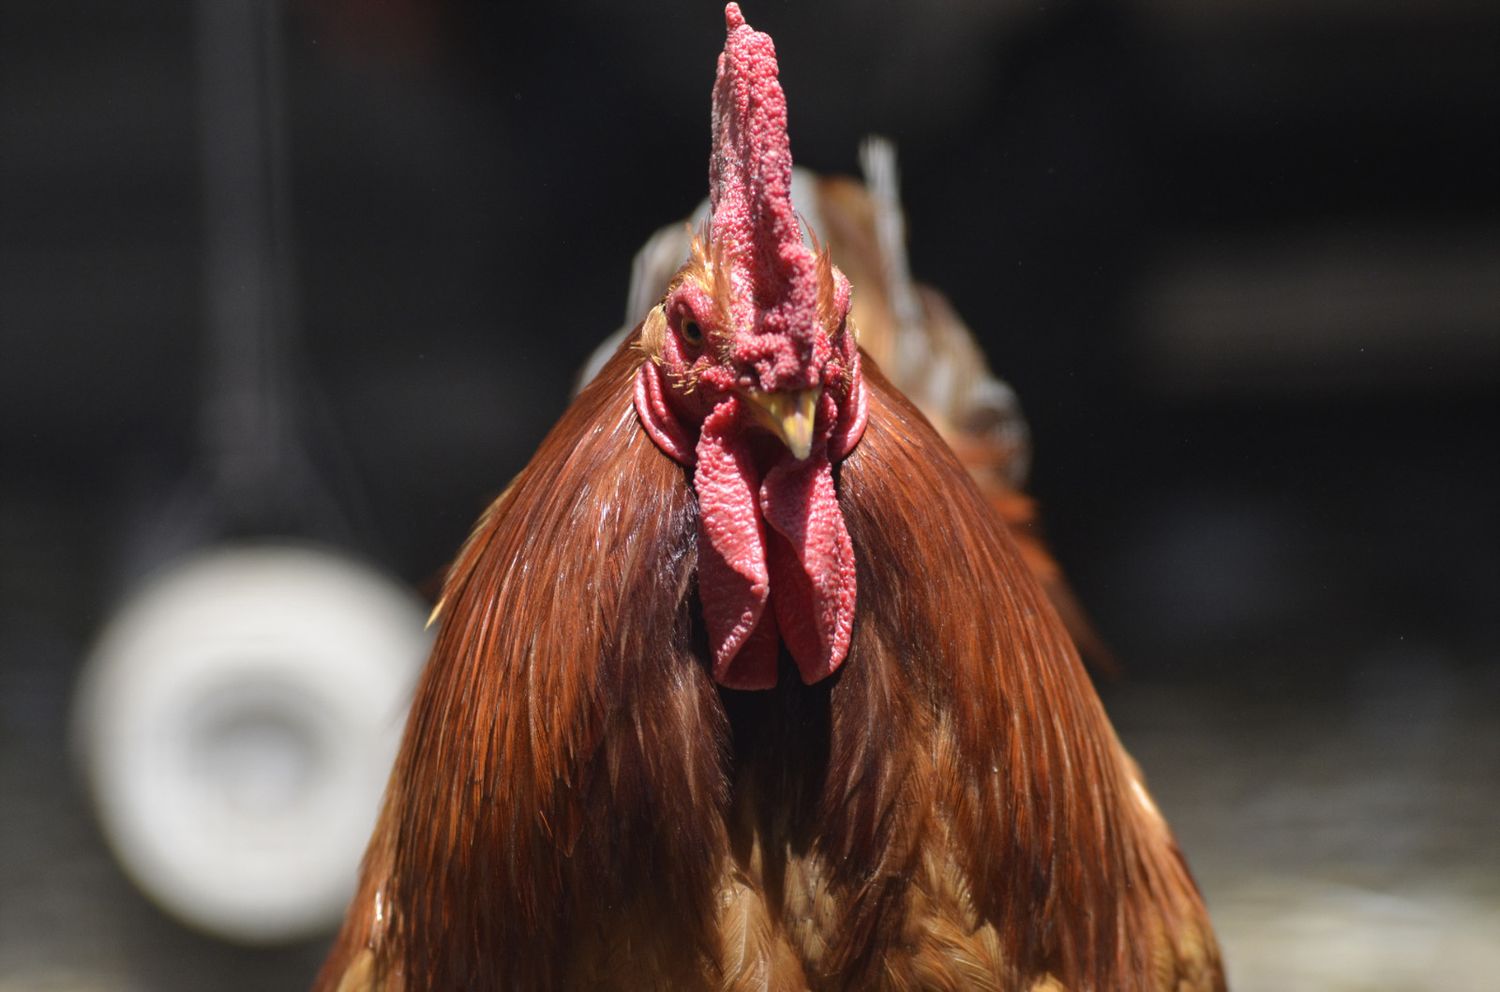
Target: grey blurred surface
x=1344 y=845
x=1237 y=258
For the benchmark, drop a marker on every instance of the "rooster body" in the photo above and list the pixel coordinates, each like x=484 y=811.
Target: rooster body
x=742 y=684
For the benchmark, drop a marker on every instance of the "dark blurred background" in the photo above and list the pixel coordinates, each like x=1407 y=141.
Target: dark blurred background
x=1239 y=258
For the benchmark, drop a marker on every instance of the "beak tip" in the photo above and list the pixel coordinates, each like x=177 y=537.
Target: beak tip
x=789 y=416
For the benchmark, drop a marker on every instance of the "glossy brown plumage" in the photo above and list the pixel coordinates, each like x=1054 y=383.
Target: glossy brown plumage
x=577 y=805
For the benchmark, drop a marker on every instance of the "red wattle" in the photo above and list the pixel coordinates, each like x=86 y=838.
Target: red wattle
x=754 y=667
x=811 y=563
x=733 y=584
x=804 y=554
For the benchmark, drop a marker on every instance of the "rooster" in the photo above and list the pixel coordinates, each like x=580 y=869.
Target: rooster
x=741 y=684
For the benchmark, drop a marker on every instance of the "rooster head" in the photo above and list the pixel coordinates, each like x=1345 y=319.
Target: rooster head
x=752 y=379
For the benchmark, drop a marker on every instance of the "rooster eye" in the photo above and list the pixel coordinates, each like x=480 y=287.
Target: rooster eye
x=691 y=332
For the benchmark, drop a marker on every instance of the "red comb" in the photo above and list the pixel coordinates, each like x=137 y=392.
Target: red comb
x=750 y=184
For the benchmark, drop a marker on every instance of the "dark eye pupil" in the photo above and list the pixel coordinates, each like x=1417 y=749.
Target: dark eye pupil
x=692 y=331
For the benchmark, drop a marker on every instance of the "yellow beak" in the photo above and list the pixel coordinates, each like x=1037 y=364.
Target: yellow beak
x=789 y=416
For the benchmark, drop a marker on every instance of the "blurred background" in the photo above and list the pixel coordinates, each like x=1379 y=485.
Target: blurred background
x=299 y=287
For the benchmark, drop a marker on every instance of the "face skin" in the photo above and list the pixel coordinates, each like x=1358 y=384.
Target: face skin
x=752 y=380
x=792 y=366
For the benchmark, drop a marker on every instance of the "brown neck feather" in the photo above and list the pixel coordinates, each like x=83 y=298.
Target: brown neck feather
x=566 y=623
x=1040 y=790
